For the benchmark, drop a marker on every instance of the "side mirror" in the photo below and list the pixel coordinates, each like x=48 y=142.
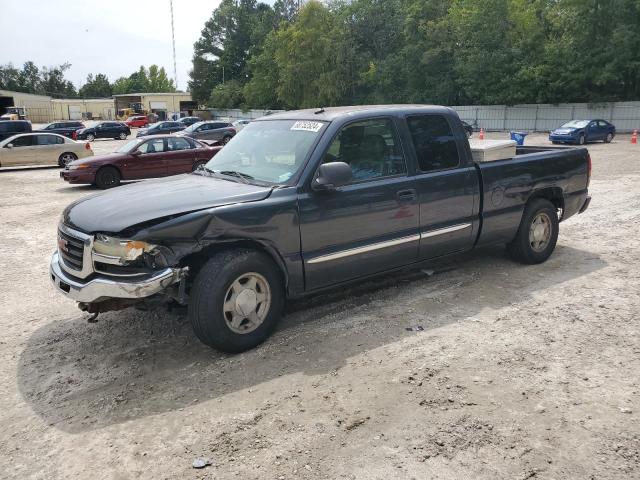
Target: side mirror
x=9 y=145
x=136 y=153
x=331 y=176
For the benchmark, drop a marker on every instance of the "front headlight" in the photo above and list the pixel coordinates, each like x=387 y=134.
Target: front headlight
x=126 y=250
x=80 y=166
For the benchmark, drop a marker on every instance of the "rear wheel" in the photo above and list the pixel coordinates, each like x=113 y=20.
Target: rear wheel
x=108 y=177
x=197 y=165
x=538 y=233
x=236 y=300
x=608 y=138
x=66 y=158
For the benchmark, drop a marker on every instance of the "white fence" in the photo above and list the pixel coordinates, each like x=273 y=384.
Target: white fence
x=534 y=118
x=237 y=114
x=544 y=117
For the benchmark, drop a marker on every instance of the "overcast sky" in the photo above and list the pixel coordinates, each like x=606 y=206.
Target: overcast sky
x=113 y=37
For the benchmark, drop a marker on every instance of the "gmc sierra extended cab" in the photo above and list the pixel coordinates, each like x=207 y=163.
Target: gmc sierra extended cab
x=306 y=200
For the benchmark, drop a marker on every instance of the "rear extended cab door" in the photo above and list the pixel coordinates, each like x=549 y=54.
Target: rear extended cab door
x=446 y=181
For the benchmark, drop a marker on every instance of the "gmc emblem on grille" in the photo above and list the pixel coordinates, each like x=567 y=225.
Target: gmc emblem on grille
x=62 y=244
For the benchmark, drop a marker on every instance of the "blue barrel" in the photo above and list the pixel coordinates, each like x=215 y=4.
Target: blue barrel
x=518 y=137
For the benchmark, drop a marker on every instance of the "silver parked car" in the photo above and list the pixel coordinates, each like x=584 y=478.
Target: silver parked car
x=211 y=131
x=41 y=149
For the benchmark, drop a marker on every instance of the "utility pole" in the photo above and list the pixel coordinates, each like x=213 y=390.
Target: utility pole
x=173 y=42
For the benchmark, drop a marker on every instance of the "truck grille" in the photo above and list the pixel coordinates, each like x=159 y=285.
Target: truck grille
x=71 y=250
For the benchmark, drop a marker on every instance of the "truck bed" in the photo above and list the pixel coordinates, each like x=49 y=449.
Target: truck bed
x=560 y=174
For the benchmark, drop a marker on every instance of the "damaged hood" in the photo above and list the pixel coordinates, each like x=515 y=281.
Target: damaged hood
x=114 y=210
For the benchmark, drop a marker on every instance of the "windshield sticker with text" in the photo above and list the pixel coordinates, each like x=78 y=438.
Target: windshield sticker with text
x=307 y=126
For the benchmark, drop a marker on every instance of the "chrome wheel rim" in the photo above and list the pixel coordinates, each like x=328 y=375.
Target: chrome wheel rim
x=540 y=232
x=123 y=136
x=90 y=138
x=246 y=303
x=66 y=159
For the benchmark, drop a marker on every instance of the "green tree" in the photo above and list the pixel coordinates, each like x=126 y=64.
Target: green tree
x=227 y=95
x=53 y=83
x=96 y=87
x=159 y=81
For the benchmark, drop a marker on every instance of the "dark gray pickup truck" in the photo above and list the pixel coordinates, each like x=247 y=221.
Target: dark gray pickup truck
x=302 y=201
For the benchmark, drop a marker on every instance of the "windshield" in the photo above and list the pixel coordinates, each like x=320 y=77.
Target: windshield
x=193 y=127
x=270 y=151
x=576 y=124
x=127 y=147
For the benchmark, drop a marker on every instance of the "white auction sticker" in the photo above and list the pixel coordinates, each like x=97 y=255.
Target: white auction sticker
x=307 y=126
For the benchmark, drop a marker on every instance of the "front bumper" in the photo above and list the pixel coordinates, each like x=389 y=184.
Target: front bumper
x=562 y=138
x=78 y=176
x=101 y=287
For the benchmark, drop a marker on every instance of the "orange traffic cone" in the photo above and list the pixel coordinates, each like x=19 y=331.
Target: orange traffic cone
x=634 y=136
x=481 y=136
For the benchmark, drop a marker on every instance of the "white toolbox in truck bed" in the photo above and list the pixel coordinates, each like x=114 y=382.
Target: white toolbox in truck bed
x=491 y=150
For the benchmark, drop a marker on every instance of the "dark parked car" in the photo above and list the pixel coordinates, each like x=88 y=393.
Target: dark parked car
x=9 y=128
x=68 y=129
x=117 y=130
x=583 y=131
x=221 y=132
x=188 y=121
x=161 y=128
x=301 y=201
x=157 y=156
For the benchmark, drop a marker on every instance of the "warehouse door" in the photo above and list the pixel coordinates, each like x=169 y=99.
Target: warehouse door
x=74 y=112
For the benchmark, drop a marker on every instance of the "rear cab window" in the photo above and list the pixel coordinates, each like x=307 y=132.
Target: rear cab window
x=434 y=143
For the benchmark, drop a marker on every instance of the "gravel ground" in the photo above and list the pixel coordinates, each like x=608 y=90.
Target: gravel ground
x=520 y=372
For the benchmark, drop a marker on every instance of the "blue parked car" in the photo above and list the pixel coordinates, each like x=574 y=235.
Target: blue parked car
x=583 y=131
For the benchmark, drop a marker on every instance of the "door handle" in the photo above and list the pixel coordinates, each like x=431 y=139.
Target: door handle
x=409 y=194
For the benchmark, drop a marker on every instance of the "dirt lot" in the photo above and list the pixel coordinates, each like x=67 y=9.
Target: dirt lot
x=520 y=372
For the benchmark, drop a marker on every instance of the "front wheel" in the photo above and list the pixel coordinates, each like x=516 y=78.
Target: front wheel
x=66 y=158
x=581 y=140
x=236 y=300
x=108 y=177
x=91 y=137
x=608 y=138
x=226 y=140
x=538 y=233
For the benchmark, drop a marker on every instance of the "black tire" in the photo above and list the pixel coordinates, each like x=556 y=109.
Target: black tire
x=65 y=158
x=581 y=139
x=197 y=165
x=108 y=177
x=226 y=139
x=212 y=285
x=122 y=136
x=521 y=248
x=608 y=138
x=90 y=137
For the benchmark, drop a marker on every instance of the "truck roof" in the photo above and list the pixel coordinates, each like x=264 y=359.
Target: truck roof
x=329 y=114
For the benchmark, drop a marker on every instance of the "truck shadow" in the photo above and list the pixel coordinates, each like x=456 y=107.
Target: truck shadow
x=133 y=364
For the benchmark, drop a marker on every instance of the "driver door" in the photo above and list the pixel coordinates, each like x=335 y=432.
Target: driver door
x=371 y=224
x=150 y=162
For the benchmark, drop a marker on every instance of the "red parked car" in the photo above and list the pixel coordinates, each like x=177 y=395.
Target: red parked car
x=138 y=121
x=157 y=156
